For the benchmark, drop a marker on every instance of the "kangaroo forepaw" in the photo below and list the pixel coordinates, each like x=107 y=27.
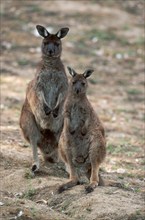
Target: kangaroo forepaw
x=71 y=131
x=55 y=113
x=47 y=110
x=83 y=131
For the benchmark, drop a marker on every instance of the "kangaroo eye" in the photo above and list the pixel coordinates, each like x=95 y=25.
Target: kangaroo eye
x=45 y=43
x=73 y=83
x=83 y=83
x=57 y=44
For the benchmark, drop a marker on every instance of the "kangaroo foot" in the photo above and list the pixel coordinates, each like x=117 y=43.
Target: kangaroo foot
x=67 y=186
x=90 y=188
x=35 y=167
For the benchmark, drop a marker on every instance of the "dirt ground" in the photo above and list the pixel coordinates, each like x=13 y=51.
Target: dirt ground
x=109 y=37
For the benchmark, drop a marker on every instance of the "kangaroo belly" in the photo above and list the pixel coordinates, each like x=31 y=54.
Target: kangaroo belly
x=80 y=149
x=49 y=122
x=49 y=145
x=77 y=118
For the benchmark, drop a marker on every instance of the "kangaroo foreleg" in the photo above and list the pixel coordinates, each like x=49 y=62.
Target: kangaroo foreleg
x=85 y=127
x=46 y=108
x=57 y=106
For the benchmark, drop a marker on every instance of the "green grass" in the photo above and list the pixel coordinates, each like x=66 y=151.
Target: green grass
x=33 y=211
x=138 y=215
x=127 y=149
x=140 y=41
x=65 y=205
x=106 y=35
x=102 y=35
x=125 y=186
x=82 y=48
x=93 y=81
x=23 y=62
x=98 y=81
x=143 y=117
x=126 y=27
x=134 y=91
x=89 y=209
x=121 y=82
x=129 y=111
x=111 y=148
x=130 y=175
x=29 y=194
x=28 y=174
x=121 y=177
x=34 y=8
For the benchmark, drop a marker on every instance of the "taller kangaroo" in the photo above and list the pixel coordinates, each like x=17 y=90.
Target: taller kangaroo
x=41 y=119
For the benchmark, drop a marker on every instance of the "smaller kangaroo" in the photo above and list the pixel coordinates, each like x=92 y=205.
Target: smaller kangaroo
x=41 y=119
x=82 y=142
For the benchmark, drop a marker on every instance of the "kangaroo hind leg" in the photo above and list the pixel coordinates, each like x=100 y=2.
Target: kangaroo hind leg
x=73 y=180
x=31 y=134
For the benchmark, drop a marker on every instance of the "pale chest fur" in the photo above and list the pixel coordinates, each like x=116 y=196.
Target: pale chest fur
x=78 y=116
x=52 y=83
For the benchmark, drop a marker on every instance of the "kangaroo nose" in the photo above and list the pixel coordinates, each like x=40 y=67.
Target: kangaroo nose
x=50 y=49
x=50 y=52
x=77 y=91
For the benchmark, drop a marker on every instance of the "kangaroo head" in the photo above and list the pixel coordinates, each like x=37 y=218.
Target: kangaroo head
x=51 y=44
x=78 y=83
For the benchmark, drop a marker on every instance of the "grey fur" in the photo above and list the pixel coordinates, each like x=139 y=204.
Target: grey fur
x=41 y=119
x=82 y=142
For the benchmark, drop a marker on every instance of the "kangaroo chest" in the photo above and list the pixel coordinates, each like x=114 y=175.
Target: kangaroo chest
x=78 y=116
x=52 y=84
x=79 y=143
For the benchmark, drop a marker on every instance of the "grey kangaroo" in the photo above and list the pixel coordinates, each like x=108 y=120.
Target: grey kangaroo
x=41 y=119
x=82 y=142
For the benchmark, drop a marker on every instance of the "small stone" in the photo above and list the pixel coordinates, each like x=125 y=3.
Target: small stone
x=20 y=214
x=1 y=203
x=120 y=170
x=119 y=56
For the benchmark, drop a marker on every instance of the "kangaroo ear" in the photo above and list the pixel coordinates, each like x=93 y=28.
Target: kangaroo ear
x=62 y=32
x=42 y=31
x=88 y=72
x=71 y=71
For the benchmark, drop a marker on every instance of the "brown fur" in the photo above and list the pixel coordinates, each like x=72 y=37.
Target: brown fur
x=41 y=119
x=82 y=142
